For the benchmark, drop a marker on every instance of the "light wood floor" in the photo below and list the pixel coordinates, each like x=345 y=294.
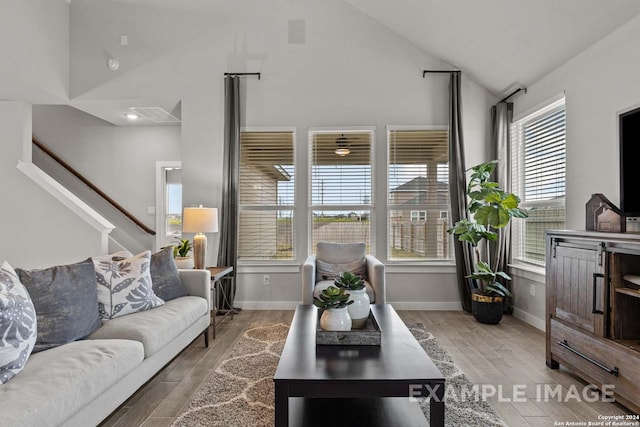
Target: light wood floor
x=509 y=354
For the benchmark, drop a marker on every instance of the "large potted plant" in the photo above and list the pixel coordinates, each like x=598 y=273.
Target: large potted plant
x=492 y=208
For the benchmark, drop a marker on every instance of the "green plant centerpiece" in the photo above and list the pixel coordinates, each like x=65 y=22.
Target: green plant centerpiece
x=334 y=301
x=182 y=249
x=349 y=281
x=492 y=209
x=181 y=252
x=359 y=310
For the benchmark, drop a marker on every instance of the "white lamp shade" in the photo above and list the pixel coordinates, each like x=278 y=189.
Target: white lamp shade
x=200 y=220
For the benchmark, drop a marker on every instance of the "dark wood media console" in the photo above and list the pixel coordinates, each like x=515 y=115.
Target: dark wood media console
x=593 y=309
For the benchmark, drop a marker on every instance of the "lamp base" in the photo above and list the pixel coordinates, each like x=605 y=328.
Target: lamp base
x=199 y=250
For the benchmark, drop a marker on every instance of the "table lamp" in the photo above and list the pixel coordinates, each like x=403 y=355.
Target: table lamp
x=200 y=220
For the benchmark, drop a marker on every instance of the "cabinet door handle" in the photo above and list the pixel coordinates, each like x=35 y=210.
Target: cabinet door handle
x=594 y=309
x=613 y=371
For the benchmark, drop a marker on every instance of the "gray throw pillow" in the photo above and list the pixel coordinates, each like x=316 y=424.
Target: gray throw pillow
x=66 y=302
x=165 y=278
x=329 y=271
x=17 y=324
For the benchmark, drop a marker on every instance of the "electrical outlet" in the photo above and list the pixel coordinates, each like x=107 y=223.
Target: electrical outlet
x=266 y=280
x=532 y=290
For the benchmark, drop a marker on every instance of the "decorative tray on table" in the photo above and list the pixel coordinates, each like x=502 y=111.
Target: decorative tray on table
x=370 y=334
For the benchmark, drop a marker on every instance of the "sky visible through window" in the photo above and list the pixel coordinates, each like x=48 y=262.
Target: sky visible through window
x=174 y=199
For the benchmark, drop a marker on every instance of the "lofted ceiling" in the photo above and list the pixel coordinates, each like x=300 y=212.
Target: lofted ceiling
x=499 y=44
x=502 y=44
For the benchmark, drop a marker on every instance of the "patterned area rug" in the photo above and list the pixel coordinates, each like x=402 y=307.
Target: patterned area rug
x=240 y=391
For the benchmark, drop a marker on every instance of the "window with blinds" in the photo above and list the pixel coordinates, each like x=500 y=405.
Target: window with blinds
x=341 y=186
x=539 y=178
x=418 y=188
x=266 y=228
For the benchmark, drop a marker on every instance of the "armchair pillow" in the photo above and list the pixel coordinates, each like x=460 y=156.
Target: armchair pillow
x=329 y=271
x=65 y=300
x=17 y=324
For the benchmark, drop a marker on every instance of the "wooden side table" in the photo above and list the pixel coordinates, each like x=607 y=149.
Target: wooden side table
x=218 y=273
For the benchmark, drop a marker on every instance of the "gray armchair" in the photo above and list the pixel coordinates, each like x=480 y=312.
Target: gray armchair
x=331 y=259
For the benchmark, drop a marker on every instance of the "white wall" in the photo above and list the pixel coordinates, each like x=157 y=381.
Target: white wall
x=121 y=161
x=598 y=83
x=350 y=71
x=34 y=65
x=37 y=230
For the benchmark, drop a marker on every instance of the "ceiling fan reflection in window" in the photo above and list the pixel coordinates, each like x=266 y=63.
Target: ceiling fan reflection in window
x=342 y=146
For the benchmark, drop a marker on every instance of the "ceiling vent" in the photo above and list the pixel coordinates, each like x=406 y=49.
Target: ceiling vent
x=156 y=114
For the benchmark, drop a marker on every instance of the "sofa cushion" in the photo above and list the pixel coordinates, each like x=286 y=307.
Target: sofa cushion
x=17 y=324
x=165 y=279
x=155 y=328
x=58 y=382
x=324 y=284
x=65 y=300
x=124 y=285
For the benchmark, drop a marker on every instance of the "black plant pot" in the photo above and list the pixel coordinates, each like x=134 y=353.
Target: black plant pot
x=487 y=310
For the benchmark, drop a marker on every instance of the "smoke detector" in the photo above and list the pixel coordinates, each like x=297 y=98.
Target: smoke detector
x=113 y=64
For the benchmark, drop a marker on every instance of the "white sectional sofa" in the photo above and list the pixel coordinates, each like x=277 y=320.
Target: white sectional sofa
x=82 y=382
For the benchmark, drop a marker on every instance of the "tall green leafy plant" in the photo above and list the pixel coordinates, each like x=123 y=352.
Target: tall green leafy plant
x=492 y=208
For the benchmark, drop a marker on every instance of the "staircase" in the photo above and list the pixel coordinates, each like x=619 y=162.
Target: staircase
x=126 y=232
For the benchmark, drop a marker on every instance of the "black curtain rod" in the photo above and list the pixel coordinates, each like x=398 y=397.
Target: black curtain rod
x=513 y=93
x=243 y=74
x=425 y=72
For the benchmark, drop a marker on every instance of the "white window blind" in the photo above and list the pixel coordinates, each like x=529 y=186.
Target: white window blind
x=418 y=189
x=266 y=196
x=539 y=178
x=341 y=186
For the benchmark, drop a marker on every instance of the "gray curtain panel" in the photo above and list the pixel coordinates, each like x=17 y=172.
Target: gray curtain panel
x=228 y=249
x=457 y=189
x=501 y=118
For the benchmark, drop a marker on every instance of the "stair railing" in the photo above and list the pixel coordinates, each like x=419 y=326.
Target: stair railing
x=89 y=184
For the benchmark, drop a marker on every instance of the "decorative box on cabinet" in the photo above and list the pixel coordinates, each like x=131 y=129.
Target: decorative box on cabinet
x=592 y=318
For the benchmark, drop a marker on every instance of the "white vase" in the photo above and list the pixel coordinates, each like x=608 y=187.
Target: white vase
x=359 y=310
x=184 y=263
x=335 y=319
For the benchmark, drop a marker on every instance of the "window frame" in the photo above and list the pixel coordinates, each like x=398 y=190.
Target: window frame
x=551 y=106
x=275 y=264
x=162 y=239
x=351 y=207
x=406 y=264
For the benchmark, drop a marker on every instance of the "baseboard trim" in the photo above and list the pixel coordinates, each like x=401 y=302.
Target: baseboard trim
x=534 y=321
x=398 y=305
x=266 y=305
x=424 y=305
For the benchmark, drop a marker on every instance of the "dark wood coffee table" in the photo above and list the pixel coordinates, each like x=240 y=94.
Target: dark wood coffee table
x=365 y=385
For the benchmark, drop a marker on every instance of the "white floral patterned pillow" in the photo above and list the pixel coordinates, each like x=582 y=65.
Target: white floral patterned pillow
x=17 y=324
x=124 y=285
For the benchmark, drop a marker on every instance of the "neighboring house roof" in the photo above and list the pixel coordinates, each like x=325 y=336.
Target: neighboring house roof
x=418 y=184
